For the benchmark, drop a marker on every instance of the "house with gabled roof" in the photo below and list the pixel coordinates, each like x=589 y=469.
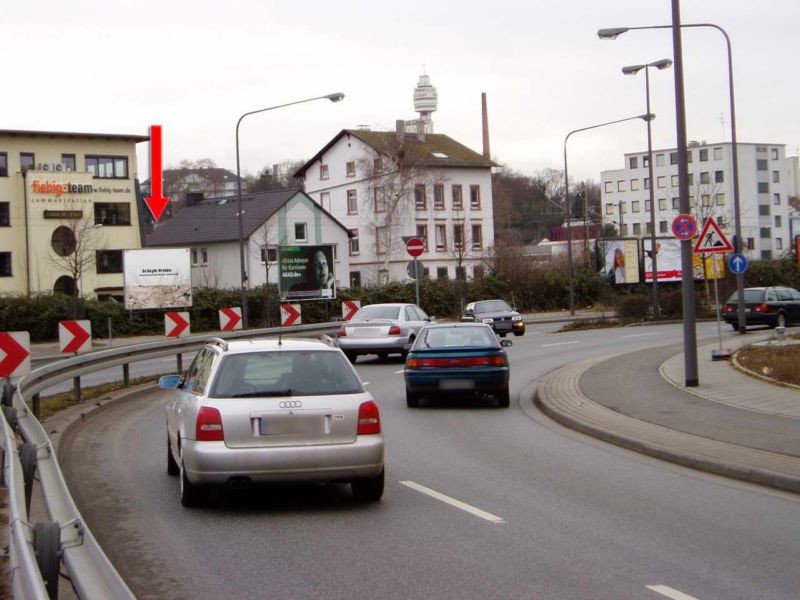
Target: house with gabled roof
x=269 y=220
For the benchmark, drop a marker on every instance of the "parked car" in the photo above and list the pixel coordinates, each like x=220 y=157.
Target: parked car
x=497 y=314
x=261 y=411
x=773 y=306
x=457 y=358
x=382 y=329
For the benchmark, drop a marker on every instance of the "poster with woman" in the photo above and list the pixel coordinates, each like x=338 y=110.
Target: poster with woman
x=621 y=260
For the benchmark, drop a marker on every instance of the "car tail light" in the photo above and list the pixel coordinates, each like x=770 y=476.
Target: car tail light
x=761 y=308
x=467 y=361
x=342 y=332
x=209 y=425
x=728 y=308
x=369 y=419
x=394 y=330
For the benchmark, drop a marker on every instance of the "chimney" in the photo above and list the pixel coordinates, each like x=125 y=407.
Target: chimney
x=400 y=128
x=485 y=120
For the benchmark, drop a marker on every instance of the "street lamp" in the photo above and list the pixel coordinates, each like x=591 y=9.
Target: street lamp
x=567 y=209
x=611 y=33
x=662 y=64
x=243 y=273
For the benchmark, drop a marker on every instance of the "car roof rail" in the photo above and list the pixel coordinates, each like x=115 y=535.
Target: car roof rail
x=215 y=341
x=326 y=339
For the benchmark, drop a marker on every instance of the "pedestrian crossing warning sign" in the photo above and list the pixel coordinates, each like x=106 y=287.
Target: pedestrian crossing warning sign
x=712 y=239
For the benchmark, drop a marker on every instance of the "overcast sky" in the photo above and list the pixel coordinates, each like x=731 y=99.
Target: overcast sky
x=195 y=67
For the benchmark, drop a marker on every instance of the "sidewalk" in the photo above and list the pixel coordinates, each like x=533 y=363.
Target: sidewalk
x=732 y=424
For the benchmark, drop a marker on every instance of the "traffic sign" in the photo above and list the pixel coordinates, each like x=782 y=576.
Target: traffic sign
x=349 y=308
x=290 y=314
x=712 y=239
x=230 y=318
x=684 y=227
x=75 y=336
x=15 y=350
x=415 y=269
x=415 y=246
x=737 y=263
x=176 y=324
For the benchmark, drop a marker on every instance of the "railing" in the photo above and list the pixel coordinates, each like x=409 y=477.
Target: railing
x=37 y=550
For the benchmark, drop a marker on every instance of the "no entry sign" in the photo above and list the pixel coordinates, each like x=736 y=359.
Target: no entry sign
x=415 y=246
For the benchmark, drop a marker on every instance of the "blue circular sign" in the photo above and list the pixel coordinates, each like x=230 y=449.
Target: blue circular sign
x=737 y=263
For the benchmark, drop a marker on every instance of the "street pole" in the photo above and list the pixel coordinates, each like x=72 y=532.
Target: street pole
x=653 y=258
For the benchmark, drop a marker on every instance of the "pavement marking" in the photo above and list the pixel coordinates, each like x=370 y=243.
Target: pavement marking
x=400 y=371
x=453 y=502
x=558 y=344
x=670 y=593
x=640 y=335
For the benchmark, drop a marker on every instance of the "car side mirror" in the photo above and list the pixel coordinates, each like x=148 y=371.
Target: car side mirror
x=506 y=343
x=169 y=382
x=430 y=319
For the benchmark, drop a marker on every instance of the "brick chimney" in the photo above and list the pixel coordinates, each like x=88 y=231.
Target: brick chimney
x=485 y=121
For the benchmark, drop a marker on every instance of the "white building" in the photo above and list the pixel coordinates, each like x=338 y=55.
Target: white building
x=270 y=220
x=385 y=186
x=767 y=179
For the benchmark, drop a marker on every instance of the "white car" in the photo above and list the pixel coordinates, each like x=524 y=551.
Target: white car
x=260 y=411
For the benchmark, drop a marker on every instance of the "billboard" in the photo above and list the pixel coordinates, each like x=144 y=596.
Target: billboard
x=620 y=260
x=157 y=278
x=306 y=272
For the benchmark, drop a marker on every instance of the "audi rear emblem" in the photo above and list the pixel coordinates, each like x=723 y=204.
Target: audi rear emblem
x=290 y=404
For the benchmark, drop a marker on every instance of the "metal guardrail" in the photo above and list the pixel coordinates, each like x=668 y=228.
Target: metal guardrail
x=65 y=536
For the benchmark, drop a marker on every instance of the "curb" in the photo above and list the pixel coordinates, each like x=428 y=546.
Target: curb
x=558 y=395
x=738 y=366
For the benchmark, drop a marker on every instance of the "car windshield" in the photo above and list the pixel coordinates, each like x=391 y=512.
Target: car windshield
x=450 y=337
x=291 y=373
x=750 y=297
x=491 y=306
x=377 y=312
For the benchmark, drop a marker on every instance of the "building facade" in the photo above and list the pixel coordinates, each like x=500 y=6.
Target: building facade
x=767 y=181
x=68 y=208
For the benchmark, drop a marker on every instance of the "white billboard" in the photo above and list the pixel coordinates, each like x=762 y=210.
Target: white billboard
x=157 y=278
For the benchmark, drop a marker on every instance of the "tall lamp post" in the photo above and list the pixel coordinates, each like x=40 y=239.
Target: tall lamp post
x=662 y=64
x=611 y=33
x=567 y=208
x=243 y=273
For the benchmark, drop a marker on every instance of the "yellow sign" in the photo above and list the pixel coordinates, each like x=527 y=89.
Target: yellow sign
x=709 y=266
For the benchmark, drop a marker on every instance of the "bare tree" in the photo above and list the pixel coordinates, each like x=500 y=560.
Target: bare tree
x=74 y=250
x=279 y=176
x=266 y=248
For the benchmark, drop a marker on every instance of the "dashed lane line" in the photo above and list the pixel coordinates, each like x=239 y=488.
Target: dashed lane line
x=453 y=502
x=670 y=592
x=558 y=344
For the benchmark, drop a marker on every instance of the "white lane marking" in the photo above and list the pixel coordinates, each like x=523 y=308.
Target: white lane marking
x=453 y=502
x=400 y=371
x=558 y=344
x=670 y=593
x=640 y=335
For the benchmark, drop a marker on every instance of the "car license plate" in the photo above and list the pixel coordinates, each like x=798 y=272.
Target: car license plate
x=366 y=332
x=294 y=424
x=457 y=384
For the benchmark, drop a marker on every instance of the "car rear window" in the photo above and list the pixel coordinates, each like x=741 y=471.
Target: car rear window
x=291 y=373
x=750 y=297
x=492 y=306
x=453 y=337
x=377 y=312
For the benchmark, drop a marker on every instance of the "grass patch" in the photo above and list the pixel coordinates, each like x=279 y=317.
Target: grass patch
x=49 y=405
x=777 y=362
x=582 y=324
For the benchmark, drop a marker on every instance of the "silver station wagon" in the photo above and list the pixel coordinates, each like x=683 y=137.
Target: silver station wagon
x=263 y=411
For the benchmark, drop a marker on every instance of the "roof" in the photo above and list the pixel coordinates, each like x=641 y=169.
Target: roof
x=67 y=134
x=415 y=150
x=272 y=344
x=215 y=175
x=218 y=221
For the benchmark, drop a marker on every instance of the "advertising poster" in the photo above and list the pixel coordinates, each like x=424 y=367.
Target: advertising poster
x=620 y=260
x=306 y=272
x=668 y=259
x=157 y=278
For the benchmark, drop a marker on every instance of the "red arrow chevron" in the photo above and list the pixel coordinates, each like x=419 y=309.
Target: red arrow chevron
x=180 y=324
x=350 y=307
x=16 y=354
x=79 y=336
x=156 y=201
x=290 y=314
x=233 y=318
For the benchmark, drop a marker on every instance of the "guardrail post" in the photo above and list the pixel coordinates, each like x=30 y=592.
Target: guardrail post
x=37 y=405
x=47 y=546
x=180 y=363
x=8 y=392
x=28 y=459
x=76 y=387
x=126 y=375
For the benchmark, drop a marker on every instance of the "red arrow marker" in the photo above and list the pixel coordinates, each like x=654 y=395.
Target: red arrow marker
x=291 y=315
x=16 y=354
x=349 y=308
x=79 y=336
x=234 y=318
x=156 y=201
x=180 y=324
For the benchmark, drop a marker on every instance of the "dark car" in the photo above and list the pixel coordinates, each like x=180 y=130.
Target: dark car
x=497 y=314
x=772 y=306
x=461 y=359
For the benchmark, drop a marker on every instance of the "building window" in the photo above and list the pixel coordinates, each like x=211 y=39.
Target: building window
x=350 y=168
x=354 y=249
x=108 y=261
x=645 y=161
x=774 y=154
x=461 y=273
x=766 y=254
x=623 y=230
x=777 y=221
x=609 y=186
x=458 y=236
x=704 y=178
x=647 y=183
x=269 y=255
x=705 y=200
x=637 y=229
x=299 y=232
x=420 y=203
x=438 y=196
x=458 y=198
x=107 y=167
x=477 y=271
x=776 y=177
x=648 y=228
x=761 y=164
x=718 y=153
x=621 y=185
x=778 y=243
x=719 y=199
x=751 y=244
x=662 y=226
x=765 y=233
x=477 y=237
x=5 y=264
x=381 y=239
x=378 y=200
x=26 y=161
x=647 y=205
x=704 y=155
x=609 y=208
x=662 y=204
x=634 y=185
x=676 y=203
x=719 y=177
x=68 y=162
x=441 y=273
x=112 y=213
x=623 y=208
x=674 y=180
x=355 y=279
x=422 y=233
x=633 y=162
x=199 y=256
x=352 y=202
x=383 y=277
x=323 y=171
x=659 y=160
x=441 y=238
x=688 y=156
x=691 y=179
x=377 y=165
x=475 y=197
x=763 y=187
x=661 y=181
x=3 y=164
x=5 y=214
x=635 y=206
x=776 y=198
x=673 y=158
x=325 y=200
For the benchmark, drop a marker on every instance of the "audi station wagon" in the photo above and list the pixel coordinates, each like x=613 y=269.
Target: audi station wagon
x=771 y=306
x=267 y=411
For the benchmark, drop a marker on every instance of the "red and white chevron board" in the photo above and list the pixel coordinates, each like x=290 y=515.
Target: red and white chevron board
x=290 y=314
x=176 y=324
x=230 y=318
x=15 y=353
x=75 y=336
x=349 y=308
